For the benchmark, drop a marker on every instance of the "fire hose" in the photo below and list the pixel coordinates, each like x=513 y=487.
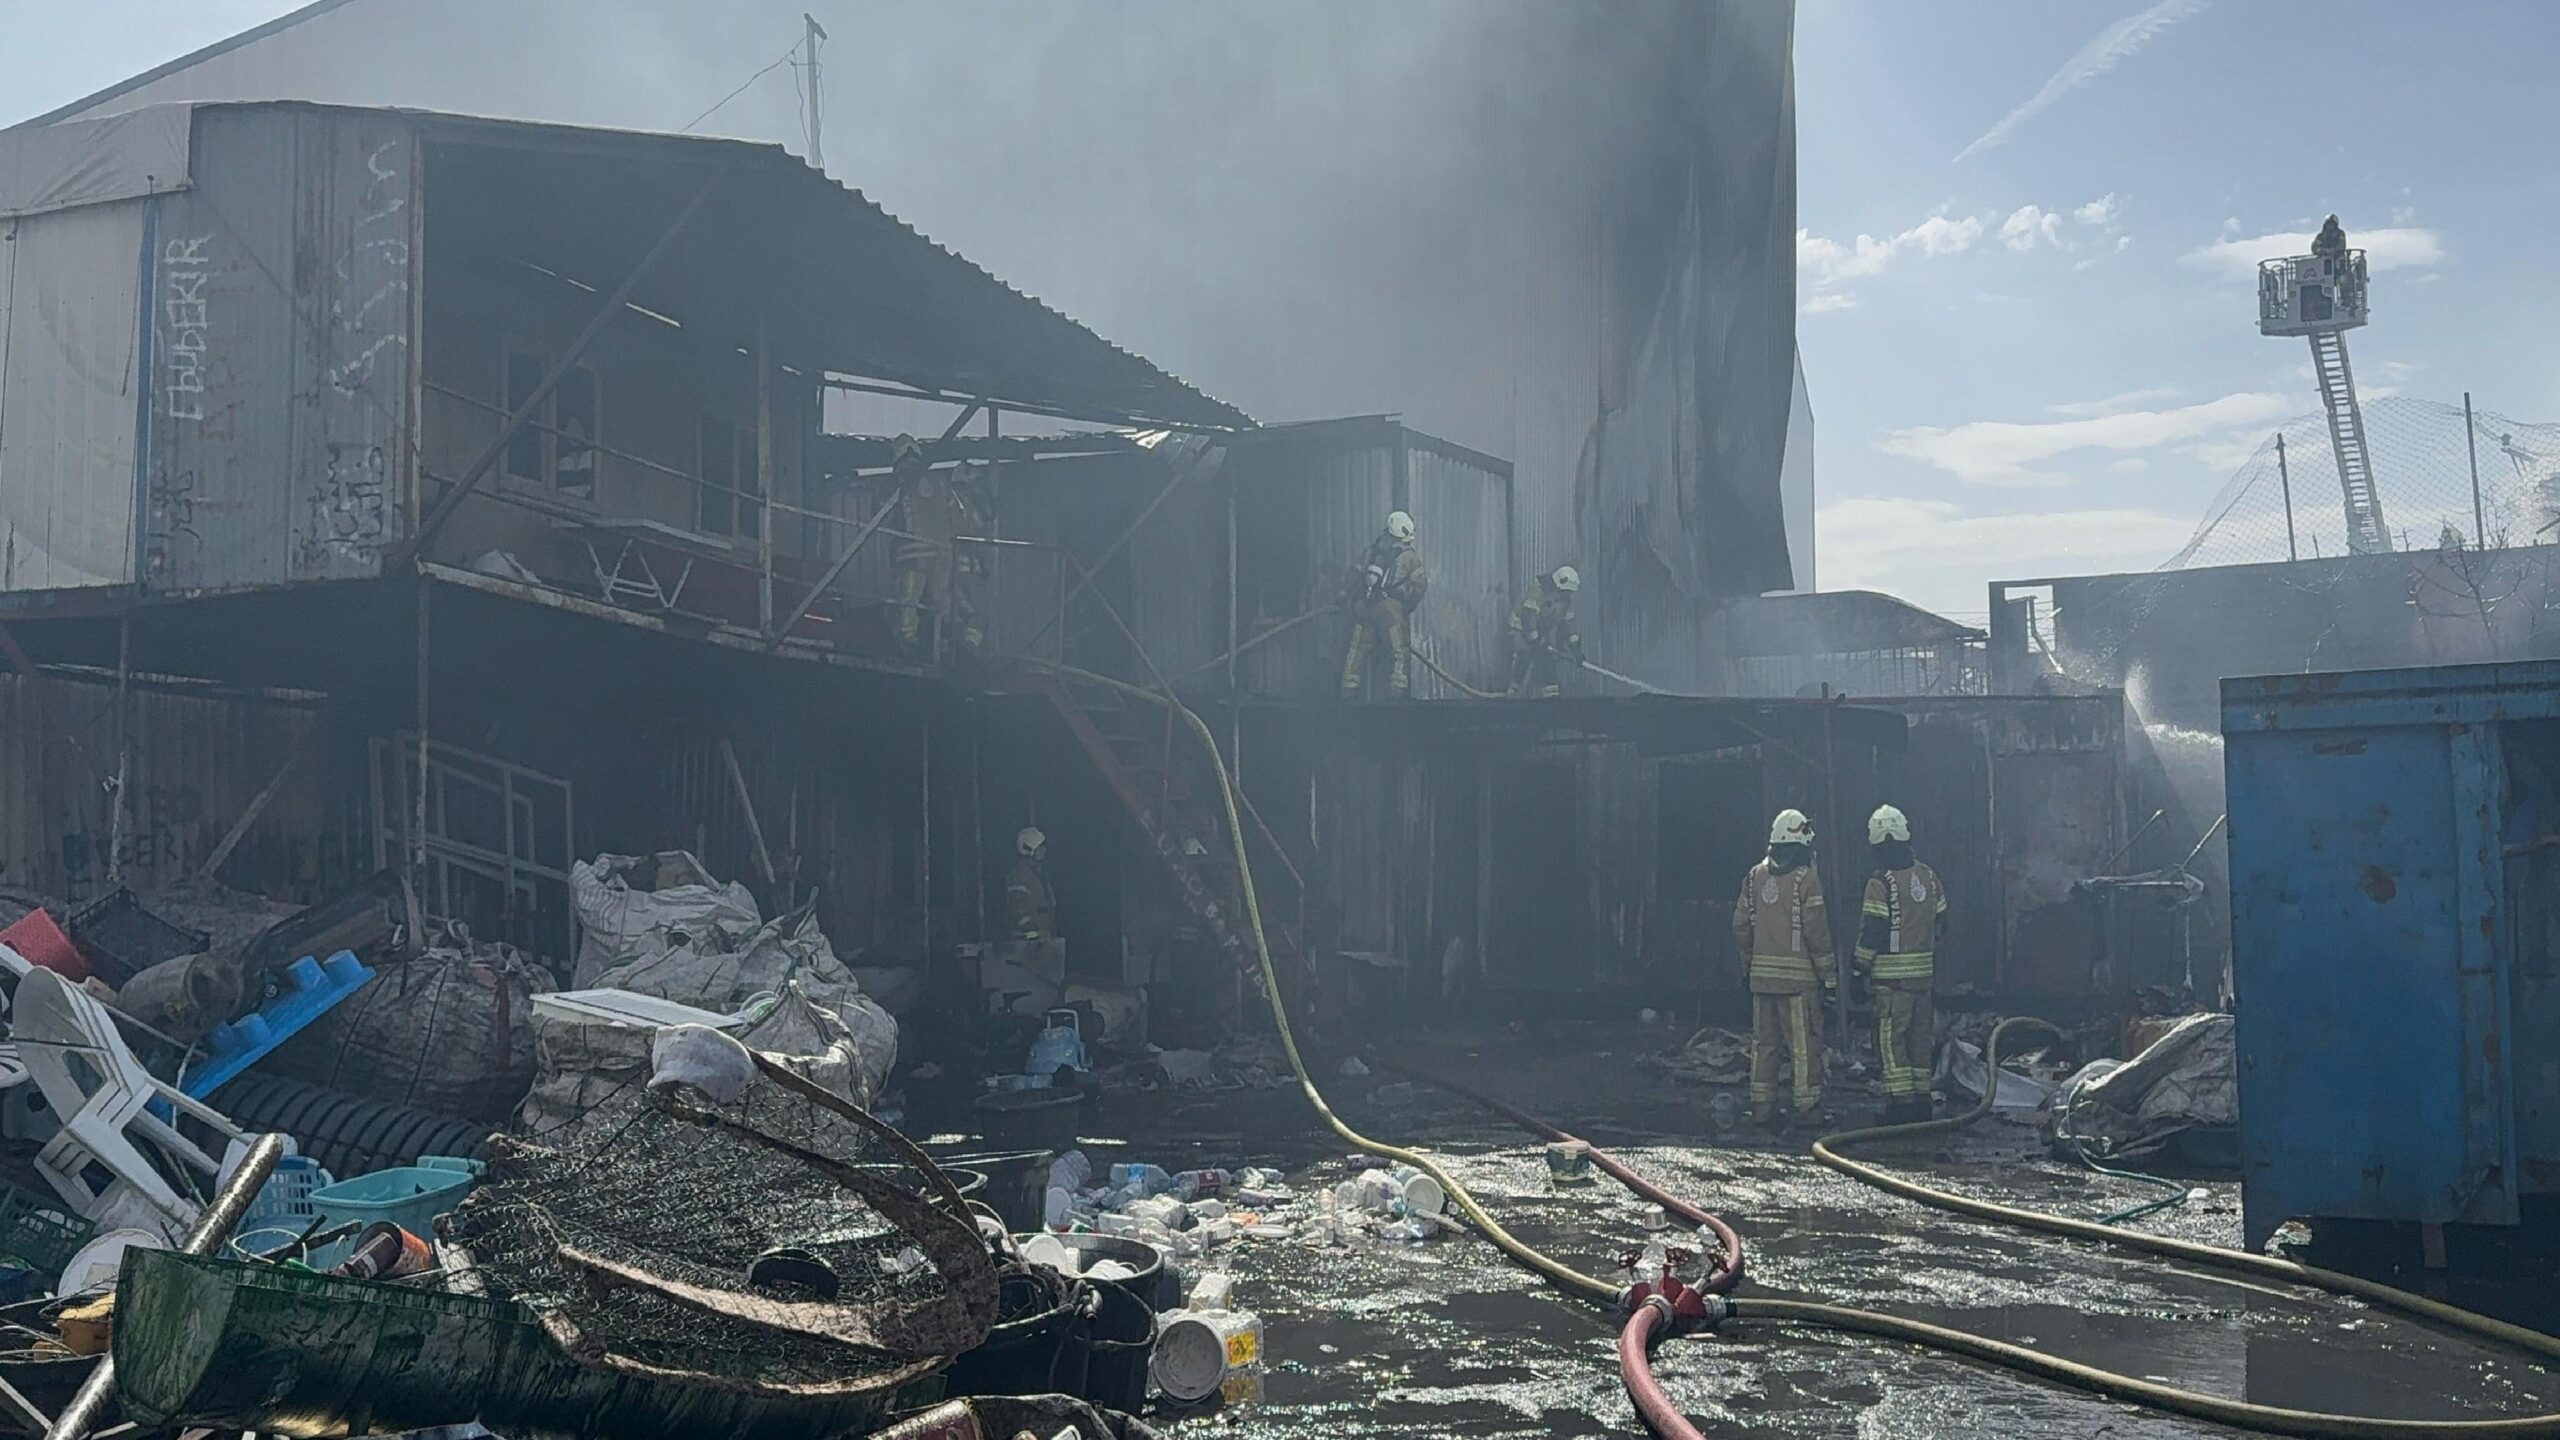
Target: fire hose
x=1657 y=1311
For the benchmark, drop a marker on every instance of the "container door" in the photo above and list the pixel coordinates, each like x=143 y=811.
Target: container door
x=2373 y=1078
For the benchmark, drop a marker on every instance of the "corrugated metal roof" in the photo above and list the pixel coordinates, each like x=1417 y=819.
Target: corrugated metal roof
x=915 y=311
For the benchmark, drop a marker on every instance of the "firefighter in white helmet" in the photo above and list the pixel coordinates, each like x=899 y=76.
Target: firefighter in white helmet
x=1028 y=903
x=1784 y=934
x=1544 y=634
x=1904 y=911
x=1382 y=592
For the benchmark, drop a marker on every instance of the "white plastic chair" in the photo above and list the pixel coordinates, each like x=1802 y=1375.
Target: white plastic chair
x=101 y=1094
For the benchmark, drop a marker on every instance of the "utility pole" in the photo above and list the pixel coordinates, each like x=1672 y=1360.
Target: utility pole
x=815 y=117
x=2471 y=442
x=2285 y=474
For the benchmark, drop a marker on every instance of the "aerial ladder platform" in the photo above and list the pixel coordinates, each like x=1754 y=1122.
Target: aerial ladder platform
x=2322 y=296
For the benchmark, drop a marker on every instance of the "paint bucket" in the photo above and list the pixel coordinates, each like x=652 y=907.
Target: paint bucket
x=1569 y=1162
x=1196 y=1350
x=1420 y=1193
x=386 y=1252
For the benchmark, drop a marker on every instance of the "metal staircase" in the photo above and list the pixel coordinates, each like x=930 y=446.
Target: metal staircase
x=2366 y=534
x=1155 y=764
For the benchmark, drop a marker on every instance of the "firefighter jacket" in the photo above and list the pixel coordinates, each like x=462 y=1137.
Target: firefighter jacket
x=1780 y=924
x=1544 y=621
x=1028 y=904
x=1898 y=925
x=933 y=514
x=1401 y=574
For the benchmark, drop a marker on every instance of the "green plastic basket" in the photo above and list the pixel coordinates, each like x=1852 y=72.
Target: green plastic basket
x=37 y=1235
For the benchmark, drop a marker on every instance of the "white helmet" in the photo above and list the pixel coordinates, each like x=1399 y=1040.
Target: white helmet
x=1791 y=828
x=1400 y=526
x=1887 y=824
x=904 y=451
x=1030 y=841
x=1568 y=579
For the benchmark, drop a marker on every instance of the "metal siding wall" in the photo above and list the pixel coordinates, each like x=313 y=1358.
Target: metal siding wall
x=68 y=356
x=282 y=396
x=1466 y=535
x=198 y=762
x=1347 y=495
x=1178 y=580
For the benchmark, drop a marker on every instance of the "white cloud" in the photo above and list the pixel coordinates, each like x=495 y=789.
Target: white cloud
x=2116 y=404
x=2101 y=211
x=1934 y=553
x=2226 y=453
x=2011 y=453
x=2129 y=465
x=2404 y=215
x=2029 y=224
x=2111 y=48
x=2386 y=249
x=1827 y=263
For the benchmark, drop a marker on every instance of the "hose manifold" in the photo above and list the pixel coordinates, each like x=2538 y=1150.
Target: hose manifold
x=1682 y=1306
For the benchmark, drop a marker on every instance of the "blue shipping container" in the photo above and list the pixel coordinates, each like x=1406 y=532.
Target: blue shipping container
x=2395 y=916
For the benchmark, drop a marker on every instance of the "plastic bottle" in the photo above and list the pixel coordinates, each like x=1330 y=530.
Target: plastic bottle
x=1146 y=1179
x=1196 y=1184
x=1652 y=1263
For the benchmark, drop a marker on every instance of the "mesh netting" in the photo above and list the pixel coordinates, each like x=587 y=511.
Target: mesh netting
x=770 y=1245
x=2422 y=473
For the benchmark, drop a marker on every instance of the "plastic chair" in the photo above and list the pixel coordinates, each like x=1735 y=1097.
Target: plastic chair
x=101 y=1093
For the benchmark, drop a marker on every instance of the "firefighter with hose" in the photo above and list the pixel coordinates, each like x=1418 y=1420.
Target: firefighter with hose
x=1784 y=934
x=1382 y=592
x=1904 y=910
x=1544 y=634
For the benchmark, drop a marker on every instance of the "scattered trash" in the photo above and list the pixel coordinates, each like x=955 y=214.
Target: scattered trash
x=120 y=938
x=1353 y=1068
x=1709 y=1057
x=1960 y=1068
x=2182 y=1089
x=1569 y=1162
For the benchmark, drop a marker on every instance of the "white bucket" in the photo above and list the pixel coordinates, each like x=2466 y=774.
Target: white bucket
x=1422 y=1194
x=1196 y=1350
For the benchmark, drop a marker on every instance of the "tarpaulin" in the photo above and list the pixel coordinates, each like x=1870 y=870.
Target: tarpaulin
x=94 y=162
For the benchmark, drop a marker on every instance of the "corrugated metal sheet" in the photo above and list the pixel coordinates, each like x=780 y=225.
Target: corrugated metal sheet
x=198 y=760
x=1313 y=499
x=70 y=363
x=281 y=389
x=1464 y=509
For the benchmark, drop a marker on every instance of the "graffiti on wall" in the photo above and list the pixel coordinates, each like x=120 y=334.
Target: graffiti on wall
x=361 y=395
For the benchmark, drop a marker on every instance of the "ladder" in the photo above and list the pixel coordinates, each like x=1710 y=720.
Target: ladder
x=2366 y=534
x=1171 y=795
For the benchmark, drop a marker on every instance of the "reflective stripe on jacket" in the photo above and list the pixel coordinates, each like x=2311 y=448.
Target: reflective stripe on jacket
x=1899 y=923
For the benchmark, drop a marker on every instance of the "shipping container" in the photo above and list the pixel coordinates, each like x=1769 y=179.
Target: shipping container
x=2395 y=867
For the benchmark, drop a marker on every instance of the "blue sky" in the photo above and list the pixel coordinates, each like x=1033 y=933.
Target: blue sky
x=2028 y=232
x=2027 y=237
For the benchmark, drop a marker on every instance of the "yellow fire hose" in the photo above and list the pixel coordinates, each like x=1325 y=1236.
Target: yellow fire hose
x=1827 y=1150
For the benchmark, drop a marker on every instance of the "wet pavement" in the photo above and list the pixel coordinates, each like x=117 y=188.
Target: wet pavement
x=1449 y=1338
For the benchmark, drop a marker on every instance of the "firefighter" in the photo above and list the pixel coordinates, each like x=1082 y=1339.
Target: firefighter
x=1544 y=634
x=1029 y=906
x=1383 y=591
x=2331 y=242
x=1781 y=929
x=1898 y=927
x=931 y=517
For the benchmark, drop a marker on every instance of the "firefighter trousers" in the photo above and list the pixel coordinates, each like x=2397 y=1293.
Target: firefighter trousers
x=1791 y=1024
x=950 y=594
x=1381 y=623
x=1906 y=1029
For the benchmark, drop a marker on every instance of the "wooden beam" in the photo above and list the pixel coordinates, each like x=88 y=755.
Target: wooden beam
x=747 y=806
